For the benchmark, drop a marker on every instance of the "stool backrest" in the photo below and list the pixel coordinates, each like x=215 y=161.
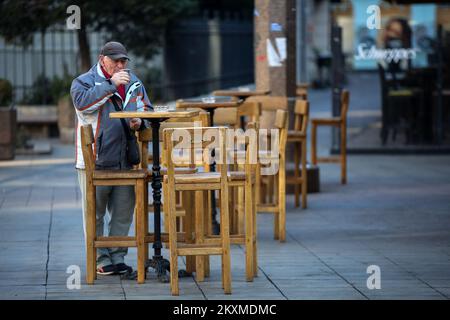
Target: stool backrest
x=302 y=91
x=194 y=141
x=252 y=110
x=269 y=106
x=281 y=122
x=301 y=112
x=226 y=117
x=251 y=150
x=270 y=103
x=145 y=136
x=87 y=140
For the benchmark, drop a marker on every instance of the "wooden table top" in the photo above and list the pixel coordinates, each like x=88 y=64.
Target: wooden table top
x=208 y=105
x=154 y=115
x=240 y=94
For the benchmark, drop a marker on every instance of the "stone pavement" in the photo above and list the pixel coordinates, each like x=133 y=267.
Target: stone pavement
x=394 y=213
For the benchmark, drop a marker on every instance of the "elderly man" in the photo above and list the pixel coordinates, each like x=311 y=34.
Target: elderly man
x=94 y=94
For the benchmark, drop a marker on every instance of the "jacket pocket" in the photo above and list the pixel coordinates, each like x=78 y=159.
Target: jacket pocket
x=99 y=145
x=108 y=153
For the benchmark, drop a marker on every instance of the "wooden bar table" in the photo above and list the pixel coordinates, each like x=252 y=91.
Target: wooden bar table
x=160 y=264
x=240 y=95
x=210 y=107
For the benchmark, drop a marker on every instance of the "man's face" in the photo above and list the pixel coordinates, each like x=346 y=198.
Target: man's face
x=113 y=66
x=395 y=30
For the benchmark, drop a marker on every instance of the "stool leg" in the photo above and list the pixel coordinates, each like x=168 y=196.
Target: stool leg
x=241 y=210
x=225 y=235
x=199 y=234
x=255 y=231
x=276 y=217
x=165 y=208
x=343 y=154
x=313 y=144
x=171 y=216
x=282 y=200
x=140 y=236
x=296 y=173
x=145 y=218
x=270 y=188
x=249 y=230
x=91 y=263
x=207 y=222
x=304 y=175
x=258 y=185
x=187 y=204
x=233 y=210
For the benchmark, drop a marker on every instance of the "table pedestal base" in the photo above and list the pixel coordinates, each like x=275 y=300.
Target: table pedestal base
x=160 y=265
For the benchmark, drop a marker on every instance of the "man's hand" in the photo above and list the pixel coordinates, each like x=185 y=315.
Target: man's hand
x=121 y=77
x=135 y=123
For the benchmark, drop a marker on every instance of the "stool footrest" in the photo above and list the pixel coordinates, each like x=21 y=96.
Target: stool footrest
x=294 y=180
x=329 y=159
x=114 y=241
x=181 y=237
x=199 y=249
x=234 y=239
x=267 y=208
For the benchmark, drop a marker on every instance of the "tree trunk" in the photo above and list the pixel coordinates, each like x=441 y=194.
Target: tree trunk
x=83 y=43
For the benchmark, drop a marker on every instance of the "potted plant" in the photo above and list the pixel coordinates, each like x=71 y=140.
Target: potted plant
x=60 y=88
x=8 y=121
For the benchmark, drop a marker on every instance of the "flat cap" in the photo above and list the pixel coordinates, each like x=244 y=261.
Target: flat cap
x=114 y=50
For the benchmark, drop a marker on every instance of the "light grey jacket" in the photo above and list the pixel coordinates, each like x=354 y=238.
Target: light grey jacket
x=91 y=94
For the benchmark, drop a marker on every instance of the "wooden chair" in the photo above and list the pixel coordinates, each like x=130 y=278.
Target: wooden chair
x=278 y=206
x=200 y=183
x=184 y=199
x=138 y=179
x=340 y=122
x=298 y=137
x=242 y=205
x=268 y=108
x=243 y=181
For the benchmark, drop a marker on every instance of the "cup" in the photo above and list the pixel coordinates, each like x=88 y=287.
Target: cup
x=160 y=108
x=209 y=99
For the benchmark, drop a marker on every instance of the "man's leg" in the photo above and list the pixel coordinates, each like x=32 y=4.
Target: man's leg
x=82 y=184
x=102 y=198
x=102 y=195
x=121 y=209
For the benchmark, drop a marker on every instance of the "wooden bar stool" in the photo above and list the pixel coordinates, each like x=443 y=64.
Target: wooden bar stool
x=298 y=137
x=278 y=206
x=269 y=105
x=340 y=122
x=242 y=180
x=184 y=199
x=138 y=179
x=198 y=182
